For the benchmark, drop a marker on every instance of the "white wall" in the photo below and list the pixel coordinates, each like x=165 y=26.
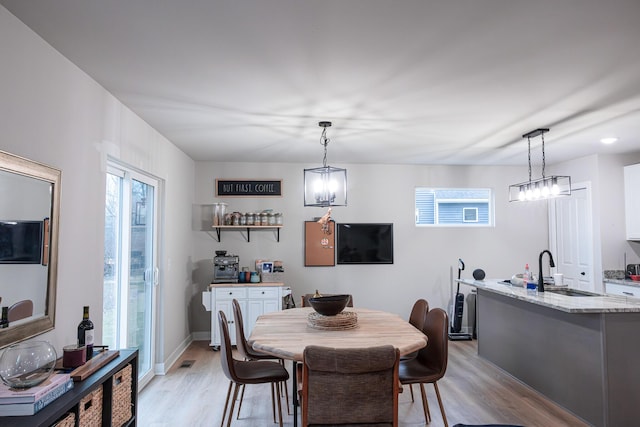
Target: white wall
x=377 y=193
x=605 y=173
x=52 y=112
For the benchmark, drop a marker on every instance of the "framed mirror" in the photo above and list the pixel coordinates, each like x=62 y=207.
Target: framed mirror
x=29 y=219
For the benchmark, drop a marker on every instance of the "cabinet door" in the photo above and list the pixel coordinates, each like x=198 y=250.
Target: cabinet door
x=257 y=307
x=227 y=309
x=632 y=201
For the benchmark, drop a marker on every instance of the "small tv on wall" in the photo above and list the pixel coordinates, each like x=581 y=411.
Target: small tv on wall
x=20 y=242
x=364 y=243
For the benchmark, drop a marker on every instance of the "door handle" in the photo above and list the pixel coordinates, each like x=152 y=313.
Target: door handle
x=583 y=273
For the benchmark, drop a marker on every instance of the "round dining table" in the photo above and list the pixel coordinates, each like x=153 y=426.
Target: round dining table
x=285 y=334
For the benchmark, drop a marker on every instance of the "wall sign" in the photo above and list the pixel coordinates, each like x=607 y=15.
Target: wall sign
x=248 y=188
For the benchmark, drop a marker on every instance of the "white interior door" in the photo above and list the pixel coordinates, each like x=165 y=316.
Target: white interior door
x=571 y=237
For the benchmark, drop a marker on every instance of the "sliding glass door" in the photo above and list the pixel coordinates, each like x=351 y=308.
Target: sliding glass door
x=130 y=273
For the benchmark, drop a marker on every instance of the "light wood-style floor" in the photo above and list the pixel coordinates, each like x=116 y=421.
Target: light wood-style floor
x=473 y=392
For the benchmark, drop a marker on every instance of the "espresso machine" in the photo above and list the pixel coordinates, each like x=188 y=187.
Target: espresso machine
x=225 y=268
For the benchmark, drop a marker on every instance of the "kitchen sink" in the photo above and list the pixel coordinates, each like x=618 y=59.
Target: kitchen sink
x=572 y=292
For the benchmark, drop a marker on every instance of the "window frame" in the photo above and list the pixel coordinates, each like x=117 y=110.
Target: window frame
x=489 y=201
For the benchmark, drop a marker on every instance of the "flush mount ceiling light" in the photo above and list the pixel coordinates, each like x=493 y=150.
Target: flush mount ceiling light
x=609 y=140
x=326 y=185
x=542 y=188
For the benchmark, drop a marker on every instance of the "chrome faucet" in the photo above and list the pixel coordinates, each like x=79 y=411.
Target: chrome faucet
x=551 y=264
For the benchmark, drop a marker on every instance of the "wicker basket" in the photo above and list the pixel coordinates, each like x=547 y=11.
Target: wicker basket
x=90 y=409
x=277 y=277
x=121 y=398
x=69 y=420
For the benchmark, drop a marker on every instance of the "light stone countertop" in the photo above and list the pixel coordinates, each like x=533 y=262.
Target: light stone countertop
x=244 y=285
x=623 y=282
x=569 y=304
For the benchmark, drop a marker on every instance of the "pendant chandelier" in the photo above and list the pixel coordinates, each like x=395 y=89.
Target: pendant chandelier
x=542 y=188
x=326 y=185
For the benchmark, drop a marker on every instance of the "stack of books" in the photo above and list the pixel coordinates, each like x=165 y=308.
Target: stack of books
x=14 y=402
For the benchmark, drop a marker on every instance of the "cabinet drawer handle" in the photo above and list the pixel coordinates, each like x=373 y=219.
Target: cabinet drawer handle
x=230 y=293
x=628 y=293
x=262 y=292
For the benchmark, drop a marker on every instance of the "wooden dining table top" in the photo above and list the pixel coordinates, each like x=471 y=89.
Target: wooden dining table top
x=285 y=334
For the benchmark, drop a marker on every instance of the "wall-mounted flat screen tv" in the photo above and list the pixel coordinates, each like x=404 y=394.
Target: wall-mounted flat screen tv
x=20 y=242
x=364 y=243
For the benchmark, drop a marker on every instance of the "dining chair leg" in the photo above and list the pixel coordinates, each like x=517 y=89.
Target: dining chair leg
x=240 y=403
x=286 y=390
x=279 y=409
x=411 y=390
x=226 y=404
x=233 y=404
x=273 y=401
x=444 y=417
x=425 y=405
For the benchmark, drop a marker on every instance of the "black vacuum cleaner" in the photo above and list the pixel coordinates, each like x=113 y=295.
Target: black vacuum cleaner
x=458 y=308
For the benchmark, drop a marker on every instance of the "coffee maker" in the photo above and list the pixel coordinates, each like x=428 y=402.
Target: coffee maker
x=225 y=268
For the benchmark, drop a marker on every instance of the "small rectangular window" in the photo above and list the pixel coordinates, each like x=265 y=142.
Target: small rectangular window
x=454 y=207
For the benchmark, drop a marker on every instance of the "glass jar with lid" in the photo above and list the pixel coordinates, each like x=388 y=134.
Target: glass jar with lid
x=251 y=218
x=264 y=218
x=271 y=218
x=278 y=216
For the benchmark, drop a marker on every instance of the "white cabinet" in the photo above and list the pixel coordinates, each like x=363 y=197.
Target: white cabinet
x=632 y=201
x=254 y=300
x=622 y=290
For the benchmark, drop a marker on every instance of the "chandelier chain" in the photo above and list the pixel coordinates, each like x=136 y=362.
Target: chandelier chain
x=543 y=157
x=324 y=141
x=529 y=152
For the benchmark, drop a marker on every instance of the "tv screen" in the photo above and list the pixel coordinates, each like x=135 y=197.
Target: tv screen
x=20 y=242
x=365 y=243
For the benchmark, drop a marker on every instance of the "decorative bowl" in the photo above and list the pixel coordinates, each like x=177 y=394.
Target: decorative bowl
x=27 y=364
x=635 y=277
x=329 y=305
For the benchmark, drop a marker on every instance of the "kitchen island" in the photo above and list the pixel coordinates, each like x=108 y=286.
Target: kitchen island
x=580 y=351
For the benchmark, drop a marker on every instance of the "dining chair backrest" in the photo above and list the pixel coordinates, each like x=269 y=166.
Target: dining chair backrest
x=418 y=313
x=436 y=353
x=226 y=355
x=241 y=340
x=350 y=386
x=20 y=310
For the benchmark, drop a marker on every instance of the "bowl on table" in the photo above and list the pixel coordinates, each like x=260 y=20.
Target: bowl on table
x=329 y=305
x=635 y=277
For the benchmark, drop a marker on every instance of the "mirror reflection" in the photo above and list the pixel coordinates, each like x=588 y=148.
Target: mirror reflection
x=28 y=247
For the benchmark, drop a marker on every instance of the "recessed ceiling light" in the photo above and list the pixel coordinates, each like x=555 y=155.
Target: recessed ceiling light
x=609 y=140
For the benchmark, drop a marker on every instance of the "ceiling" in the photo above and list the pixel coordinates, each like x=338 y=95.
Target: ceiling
x=404 y=82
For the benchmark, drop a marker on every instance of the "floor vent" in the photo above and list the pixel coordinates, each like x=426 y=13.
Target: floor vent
x=187 y=363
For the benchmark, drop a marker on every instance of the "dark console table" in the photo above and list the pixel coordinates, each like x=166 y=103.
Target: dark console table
x=69 y=402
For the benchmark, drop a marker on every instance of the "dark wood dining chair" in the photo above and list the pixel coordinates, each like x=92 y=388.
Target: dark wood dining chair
x=20 y=310
x=350 y=386
x=243 y=372
x=248 y=353
x=430 y=364
x=416 y=319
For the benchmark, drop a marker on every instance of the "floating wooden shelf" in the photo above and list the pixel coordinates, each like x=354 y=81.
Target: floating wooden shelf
x=248 y=229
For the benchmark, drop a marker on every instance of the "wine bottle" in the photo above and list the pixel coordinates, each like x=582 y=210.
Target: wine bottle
x=85 y=332
x=4 y=321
